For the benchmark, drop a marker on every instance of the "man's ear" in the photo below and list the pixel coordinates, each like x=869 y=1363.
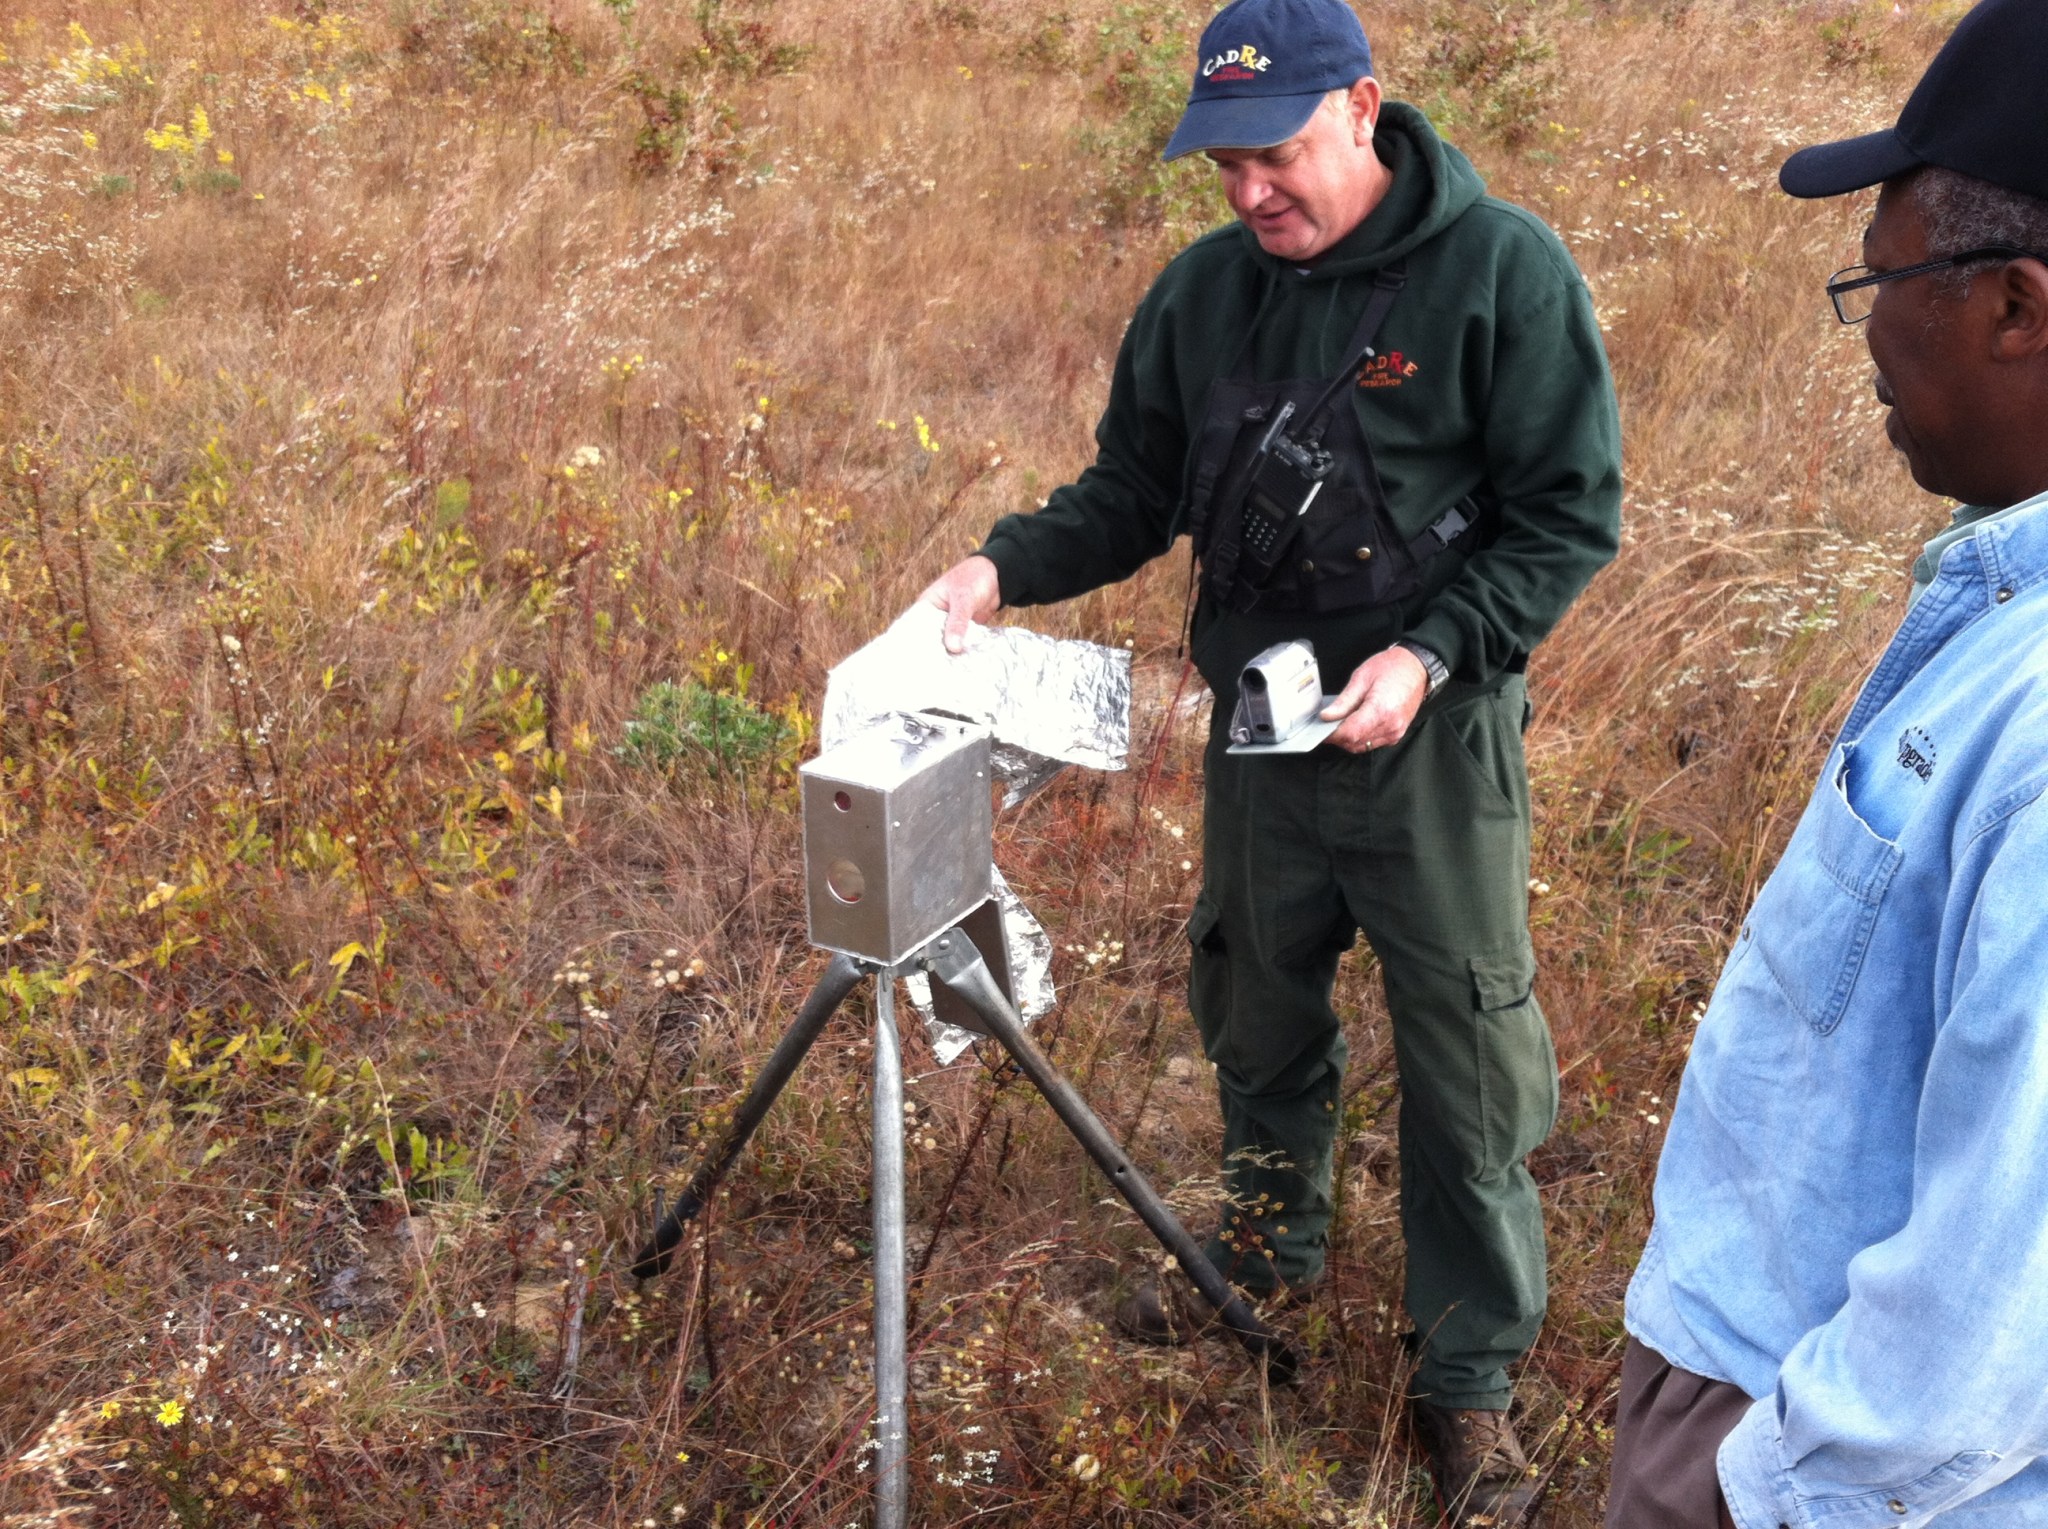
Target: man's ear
x=1364 y=110
x=2022 y=323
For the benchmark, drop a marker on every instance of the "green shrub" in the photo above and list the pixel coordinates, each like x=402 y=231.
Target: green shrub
x=1497 y=68
x=676 y=727
x=1146 y=55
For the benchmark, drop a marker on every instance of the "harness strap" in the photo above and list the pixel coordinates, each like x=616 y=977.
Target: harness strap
x=1387 y=283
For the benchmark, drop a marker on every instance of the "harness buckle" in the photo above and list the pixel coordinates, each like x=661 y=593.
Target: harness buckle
x=1453 y=524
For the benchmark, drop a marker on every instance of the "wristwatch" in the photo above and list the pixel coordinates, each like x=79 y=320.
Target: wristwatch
x=1431 y=665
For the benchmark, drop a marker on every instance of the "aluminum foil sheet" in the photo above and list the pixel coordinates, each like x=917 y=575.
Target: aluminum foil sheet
x=1030 y=976
x=1049 y=702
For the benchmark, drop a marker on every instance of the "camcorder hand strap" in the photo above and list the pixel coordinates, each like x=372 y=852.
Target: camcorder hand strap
x=1387 y=283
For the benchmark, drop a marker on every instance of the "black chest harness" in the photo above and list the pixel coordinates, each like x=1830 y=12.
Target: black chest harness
x=1285 y=504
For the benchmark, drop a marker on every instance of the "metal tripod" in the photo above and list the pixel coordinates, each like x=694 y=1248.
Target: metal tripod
x=953 y=960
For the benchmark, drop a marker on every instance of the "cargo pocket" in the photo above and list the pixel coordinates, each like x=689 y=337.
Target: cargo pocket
x=1517 y=1066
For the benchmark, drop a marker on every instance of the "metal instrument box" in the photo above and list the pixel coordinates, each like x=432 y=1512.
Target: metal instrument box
x=898 y=831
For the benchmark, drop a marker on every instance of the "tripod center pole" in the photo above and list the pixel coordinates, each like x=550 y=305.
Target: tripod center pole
x=892 y=1430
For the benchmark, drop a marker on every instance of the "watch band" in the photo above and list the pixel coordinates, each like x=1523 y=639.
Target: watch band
x=1432 y=665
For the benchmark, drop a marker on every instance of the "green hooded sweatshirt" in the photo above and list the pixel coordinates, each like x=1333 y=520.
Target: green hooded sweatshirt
x=1490 y=372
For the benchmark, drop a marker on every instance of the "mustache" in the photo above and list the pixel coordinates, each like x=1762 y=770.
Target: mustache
x=1883 y=389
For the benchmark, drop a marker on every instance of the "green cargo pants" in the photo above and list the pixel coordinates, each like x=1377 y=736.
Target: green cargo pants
x=1424 y=847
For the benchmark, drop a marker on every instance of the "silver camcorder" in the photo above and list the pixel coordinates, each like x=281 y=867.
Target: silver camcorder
x=1279 y=696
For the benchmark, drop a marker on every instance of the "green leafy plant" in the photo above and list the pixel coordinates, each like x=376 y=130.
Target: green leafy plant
x=744 y=49
x=1146 y=54
x=676 y=726
x=1498 y=69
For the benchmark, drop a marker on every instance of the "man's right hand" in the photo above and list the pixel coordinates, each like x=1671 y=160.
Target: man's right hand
x=967 y=592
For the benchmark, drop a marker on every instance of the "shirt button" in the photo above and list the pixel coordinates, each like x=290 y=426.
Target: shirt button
x=2002 y=596
x=1308 y=565
x=1364 y=554
x=1895 y=1505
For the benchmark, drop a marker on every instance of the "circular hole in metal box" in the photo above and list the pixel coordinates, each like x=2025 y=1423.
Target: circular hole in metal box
x=842 y=801
x=845 y=882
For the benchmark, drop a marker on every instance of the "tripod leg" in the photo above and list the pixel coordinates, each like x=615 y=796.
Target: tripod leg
x=892 y=1432
x=955 y=962
x=840 y=978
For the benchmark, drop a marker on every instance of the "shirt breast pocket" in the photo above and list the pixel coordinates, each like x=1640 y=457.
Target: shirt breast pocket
x=1813 y=924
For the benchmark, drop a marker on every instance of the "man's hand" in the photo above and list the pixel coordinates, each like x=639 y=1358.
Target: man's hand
x=968 y=591
x=1380 y=702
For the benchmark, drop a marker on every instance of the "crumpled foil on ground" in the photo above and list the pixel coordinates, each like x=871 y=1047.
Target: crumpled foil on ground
x=1030 y=976
x=1048 y=701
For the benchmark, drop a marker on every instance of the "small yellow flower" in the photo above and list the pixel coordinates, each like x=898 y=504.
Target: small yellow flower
x=92 y=140
x=110 y=1410
x=171 y=1413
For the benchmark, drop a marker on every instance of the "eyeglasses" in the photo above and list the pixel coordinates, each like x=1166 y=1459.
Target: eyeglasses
x=1854 y=289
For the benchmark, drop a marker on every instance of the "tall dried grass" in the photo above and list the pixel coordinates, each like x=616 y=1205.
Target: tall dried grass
x=360 y=485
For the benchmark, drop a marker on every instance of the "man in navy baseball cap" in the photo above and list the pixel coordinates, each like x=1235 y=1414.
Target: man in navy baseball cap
x=1265 y=67
x=1295 y=394
x=1842 y=1309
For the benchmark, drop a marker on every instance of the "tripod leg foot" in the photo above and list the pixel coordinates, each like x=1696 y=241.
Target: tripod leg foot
x=953 y=959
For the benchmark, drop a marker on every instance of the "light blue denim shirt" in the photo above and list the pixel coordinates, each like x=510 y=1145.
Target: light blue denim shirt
x=1852 y=1204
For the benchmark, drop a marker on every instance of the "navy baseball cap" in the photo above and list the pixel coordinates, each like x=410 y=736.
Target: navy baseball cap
x=1976 y=110
x=1265 y=67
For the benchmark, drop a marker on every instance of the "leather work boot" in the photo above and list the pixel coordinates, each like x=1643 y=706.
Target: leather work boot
x=1483 y=1480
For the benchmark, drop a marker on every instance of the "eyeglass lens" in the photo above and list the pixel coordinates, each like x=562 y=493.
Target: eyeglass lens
x=1852 y=306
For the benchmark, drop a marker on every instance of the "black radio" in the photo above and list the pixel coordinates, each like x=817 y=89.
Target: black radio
x=1287 y=474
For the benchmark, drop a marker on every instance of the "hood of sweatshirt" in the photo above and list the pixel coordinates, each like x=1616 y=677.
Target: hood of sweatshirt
x=1433 y=185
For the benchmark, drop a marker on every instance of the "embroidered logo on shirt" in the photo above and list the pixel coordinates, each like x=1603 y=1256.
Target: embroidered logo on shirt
x=1387 y=371
x=1916 y=752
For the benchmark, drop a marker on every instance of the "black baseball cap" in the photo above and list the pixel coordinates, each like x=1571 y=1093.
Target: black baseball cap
x=1264 y=69
x=1976 y=110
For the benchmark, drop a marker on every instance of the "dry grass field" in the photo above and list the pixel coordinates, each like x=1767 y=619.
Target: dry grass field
x=399 y=398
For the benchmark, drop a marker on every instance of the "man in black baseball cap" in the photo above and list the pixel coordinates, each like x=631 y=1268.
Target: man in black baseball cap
x=1842 y=1309
x=1379 y=406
